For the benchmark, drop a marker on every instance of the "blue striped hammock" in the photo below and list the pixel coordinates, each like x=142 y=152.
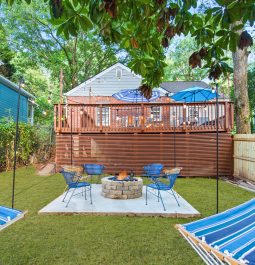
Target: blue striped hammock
x=224 y=238
x=9 y=216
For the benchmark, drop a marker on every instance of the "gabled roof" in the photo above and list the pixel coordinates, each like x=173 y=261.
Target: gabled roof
x=88 y=81
x=13 y=86
x=176 y=86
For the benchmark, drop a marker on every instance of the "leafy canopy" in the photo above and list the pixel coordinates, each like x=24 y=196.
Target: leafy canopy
x=145 y=27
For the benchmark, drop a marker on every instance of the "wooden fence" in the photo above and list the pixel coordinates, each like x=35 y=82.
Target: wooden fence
x=195 y=152
x=244 y=156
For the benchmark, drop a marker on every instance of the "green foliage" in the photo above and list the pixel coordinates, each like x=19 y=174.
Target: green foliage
x=39 y=54
x=7 y=69
x=26 y=147
x=178 y=68
x=143 y=28
x=251 y=92
x=33 y=35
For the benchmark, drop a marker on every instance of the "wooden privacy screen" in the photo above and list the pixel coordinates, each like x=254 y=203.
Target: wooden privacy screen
x=195 y=152
x=244 y=156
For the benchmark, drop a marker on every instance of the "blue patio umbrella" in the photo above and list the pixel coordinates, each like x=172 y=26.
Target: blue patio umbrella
x=198 y=94
x=194 y=94
x=135 y=96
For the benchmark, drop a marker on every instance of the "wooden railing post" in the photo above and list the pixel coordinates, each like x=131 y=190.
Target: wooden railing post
x=232 y=114
x=59 y=117
x=226 y=106
x=55 y=118
x=184 y=108
x=101 y=117
x=142 y=120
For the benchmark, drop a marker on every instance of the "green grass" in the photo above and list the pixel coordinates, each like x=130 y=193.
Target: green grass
x=49 y=239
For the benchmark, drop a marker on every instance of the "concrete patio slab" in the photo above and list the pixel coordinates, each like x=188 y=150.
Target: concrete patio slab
x=130 y=207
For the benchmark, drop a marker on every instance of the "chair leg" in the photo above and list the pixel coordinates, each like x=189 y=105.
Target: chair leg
x=71 y=197
x=65 y=195
x=85 y=193
x=66 y=187
x=161 y=200
x=175 y=197
x=90 y=195
x=146 y=196
x=158 y=195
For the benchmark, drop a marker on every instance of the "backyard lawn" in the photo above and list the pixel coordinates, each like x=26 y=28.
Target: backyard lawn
x=77 y=239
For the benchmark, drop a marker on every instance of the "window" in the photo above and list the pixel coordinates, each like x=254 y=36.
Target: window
x=118 y=73
x=105 y=116
x=156 y=113
x=30 y=113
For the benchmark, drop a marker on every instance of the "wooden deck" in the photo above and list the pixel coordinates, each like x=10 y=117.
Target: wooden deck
x=143 y=118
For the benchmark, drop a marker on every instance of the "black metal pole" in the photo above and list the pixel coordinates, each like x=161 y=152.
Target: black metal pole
x=71 y=110
x=174 y=139
x=16 y=145
x=217 y=149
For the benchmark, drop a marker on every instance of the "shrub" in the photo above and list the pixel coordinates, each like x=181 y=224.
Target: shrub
x=27 y=144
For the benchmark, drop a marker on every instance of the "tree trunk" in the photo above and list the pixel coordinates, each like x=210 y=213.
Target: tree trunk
x=242 y=112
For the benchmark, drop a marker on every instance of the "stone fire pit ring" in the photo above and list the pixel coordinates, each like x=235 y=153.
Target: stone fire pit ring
x=122 y=189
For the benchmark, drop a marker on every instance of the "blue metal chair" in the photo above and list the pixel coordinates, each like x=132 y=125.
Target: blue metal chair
x=153 y=171
x=159 y=186
x=73 y=182
x=94 y=169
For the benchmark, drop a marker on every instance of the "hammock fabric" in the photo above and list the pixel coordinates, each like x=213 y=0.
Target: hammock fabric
x=9 y=216
x=224 y=238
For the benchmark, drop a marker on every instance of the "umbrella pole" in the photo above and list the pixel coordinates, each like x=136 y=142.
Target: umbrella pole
x=217 y=149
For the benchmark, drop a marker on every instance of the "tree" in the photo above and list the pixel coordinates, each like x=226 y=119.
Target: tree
x=6 y=55
x=251 y=87
x=251 y=92
x=31 y=34
x=242 y=111
x=178 y=68
x=177 y=61
x=144 y=28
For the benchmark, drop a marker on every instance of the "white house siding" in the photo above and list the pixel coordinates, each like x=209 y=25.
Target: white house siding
x=107 y=84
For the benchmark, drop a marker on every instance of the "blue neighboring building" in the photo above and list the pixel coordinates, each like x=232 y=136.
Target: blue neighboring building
x=9 y=100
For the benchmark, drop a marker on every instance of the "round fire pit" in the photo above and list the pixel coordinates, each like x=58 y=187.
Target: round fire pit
x=122 y=189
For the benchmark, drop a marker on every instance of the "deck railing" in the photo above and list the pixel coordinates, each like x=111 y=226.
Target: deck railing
x=146 y=117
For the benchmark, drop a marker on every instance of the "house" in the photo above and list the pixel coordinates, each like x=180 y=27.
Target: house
x=94 y=127
x=8 y=102
x=100 y=88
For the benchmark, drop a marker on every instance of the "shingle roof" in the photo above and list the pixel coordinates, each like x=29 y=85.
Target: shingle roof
x=176 y=86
